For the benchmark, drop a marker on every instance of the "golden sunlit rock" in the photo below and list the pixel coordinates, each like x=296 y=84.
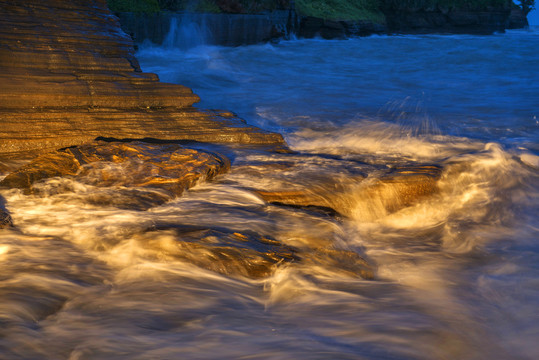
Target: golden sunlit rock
x=169 y=167
x=394 y=190
x=69 y=75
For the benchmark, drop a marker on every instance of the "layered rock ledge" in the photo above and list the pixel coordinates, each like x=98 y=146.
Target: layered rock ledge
x=143 y=175
x=69 y=75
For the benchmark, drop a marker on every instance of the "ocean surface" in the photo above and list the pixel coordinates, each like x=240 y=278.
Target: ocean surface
x=456 y=272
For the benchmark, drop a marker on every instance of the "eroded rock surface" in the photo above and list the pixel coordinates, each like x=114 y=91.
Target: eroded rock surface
x=357 y=190
x=393 y=191
x=227 y=252
x=69 y=75
x=246 y=254
x=144 y=174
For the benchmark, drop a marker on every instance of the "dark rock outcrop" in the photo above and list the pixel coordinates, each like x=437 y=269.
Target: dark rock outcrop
x=184 y=30
x=237 y=29
x=5 y=218
x=69 y=75
x=517 y=19
x=310 y=27
x=446 y=20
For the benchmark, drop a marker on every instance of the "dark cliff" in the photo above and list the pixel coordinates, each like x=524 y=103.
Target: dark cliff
x=447 y=17
x=249 y=22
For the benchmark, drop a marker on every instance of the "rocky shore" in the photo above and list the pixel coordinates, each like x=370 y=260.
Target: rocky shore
x=69 y=75
x=76 y=107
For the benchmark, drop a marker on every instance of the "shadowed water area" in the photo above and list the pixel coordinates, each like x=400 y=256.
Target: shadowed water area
x=402 y=225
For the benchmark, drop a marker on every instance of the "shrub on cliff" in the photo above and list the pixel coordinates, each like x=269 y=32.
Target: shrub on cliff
x=341 y=9
x=147 y=6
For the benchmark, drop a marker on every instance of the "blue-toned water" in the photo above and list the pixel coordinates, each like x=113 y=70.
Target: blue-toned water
x=459 y=100
x=482 y=87
x=456 y=272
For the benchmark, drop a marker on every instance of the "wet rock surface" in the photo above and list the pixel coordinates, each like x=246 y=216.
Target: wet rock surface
x=358 y=189
x=246 y=253
x=69 y=75
x=139 y=176
x=396 y=190
x=144 y=174
x=226 y=252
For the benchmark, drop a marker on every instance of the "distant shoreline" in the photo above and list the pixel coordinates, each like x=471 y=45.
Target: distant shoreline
x=243 y=29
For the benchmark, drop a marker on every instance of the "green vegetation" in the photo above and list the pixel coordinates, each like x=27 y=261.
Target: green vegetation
x=367 y=10
x=341 y=9
x=146 y=6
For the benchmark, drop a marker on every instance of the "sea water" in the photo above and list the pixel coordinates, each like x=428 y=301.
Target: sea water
x=456 y=274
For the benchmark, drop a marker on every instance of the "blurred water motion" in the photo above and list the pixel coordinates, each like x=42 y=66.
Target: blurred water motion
x=395 y=229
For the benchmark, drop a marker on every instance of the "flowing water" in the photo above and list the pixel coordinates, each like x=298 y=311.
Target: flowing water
x=456 y=273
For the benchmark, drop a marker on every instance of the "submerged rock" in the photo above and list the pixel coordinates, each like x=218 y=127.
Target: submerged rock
x=342 y=261
x=69 y=75
x=246 y=254
x=367 y=197
x=46 y=166
x=145 y=174
x=358 y=190
x=231 y=253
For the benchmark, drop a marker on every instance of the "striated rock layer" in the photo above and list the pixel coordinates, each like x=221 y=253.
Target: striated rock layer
x=69 y=74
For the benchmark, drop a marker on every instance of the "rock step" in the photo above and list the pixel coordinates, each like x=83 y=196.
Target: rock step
x=55 y=129
x=104 y=94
